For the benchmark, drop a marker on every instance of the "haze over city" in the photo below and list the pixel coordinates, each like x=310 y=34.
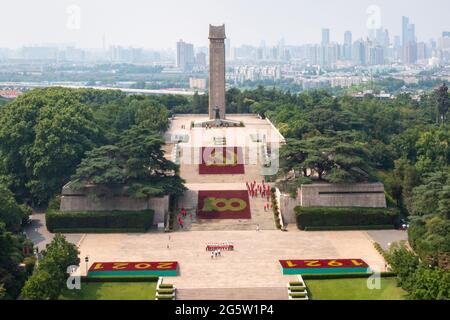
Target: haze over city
x=159 y=24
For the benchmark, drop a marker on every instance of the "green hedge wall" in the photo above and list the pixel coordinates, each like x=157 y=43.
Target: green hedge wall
x=323 y=218
x=115 y=221
x=120 y=279
x=345 y=276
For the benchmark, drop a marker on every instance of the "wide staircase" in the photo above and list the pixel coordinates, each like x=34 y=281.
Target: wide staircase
x=232 y=294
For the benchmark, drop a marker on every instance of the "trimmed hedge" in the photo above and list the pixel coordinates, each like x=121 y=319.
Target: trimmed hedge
x=330 y=218
x=95 y=230
x=166 y=291
x=349 y=228
x=298 y=295
x=345 y=275
x=120 y=279
x=99 y=221
x=297 y=289
x=165 y=297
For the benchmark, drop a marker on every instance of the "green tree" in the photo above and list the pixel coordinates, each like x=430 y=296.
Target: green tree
x=49 y=278
x=2 y=291
x=430 y=284
x=426 y=198
x=43 y=136
x=404 y=263
x=11 y=214
x=136 y=163
x=442 y=103
x=42 y=285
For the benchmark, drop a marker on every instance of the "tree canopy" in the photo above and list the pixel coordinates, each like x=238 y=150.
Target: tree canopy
x=136 y=163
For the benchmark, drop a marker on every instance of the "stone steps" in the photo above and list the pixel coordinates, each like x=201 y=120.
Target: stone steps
x=217 y=226
x=261 y=218
x=232 y=294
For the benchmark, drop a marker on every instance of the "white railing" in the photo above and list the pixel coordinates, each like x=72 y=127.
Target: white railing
x=278 y=202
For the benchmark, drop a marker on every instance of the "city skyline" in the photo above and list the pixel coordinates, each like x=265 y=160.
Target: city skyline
x=297 y=22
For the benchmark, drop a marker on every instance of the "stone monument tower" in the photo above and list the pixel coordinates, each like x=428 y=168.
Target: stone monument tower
x=217 y=72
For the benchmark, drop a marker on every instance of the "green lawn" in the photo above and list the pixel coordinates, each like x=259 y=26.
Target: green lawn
x=353 y=289
x=112 y=291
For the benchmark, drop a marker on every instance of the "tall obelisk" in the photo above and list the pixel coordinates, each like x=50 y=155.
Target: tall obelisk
x=217 y=71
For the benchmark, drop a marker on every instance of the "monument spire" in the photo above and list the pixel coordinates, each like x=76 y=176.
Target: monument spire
x=217 y=71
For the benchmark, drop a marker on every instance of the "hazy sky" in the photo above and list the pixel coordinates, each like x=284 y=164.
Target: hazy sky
x=160 y=23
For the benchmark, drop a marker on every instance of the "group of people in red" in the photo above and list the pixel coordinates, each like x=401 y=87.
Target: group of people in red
x=182 y=215
x=260 y=190
x=220 y=246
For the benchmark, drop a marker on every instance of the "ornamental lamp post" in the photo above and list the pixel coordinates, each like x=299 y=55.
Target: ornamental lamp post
x=86 y=260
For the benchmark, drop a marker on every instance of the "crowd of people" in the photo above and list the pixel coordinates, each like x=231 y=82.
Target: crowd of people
x=182 y=215
x=262 y=190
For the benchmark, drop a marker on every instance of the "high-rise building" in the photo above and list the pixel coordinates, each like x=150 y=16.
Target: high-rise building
x=422 y=51
x=409 y=41
x=348 y=42
x=325 y=37
x=359 y=52
x=228 y=49
x=200 y=59
x=410 y=53
x=185 y=55
x=376 y=55
x=405 y=34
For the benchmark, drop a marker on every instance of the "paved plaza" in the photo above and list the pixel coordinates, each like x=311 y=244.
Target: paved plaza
x=254 y=263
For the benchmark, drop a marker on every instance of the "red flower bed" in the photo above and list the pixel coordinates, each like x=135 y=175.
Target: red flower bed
x=232 y=204
x=221 y=160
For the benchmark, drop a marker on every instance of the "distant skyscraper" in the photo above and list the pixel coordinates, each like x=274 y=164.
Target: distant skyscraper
x=446 y=34
x=410 y=53
x=200 y=59
x=409 y=41
x=348 y=42
x=405 y=26
x=359 y=52
x=325 y=37
x=228 y=49
x=185 y=55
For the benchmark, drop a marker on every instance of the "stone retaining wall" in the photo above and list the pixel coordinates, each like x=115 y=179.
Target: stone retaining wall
x=80 y=201
x=367 y=195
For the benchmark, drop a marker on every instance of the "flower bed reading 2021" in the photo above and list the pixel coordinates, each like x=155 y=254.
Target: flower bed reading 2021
x=133 y=269
x=327 y=266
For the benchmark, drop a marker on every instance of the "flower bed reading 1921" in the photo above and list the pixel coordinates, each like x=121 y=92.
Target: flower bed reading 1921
x=318 y=266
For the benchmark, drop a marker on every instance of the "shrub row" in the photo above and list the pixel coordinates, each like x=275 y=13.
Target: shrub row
x=98 y=230
x=298 y=295
x=276 y=217
x=349 y=228
x=345 y=275
x=165 y=297
x=380 y=250
x=332 y=217
x=114 y=221
x=297 y=289
x=120 y=279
